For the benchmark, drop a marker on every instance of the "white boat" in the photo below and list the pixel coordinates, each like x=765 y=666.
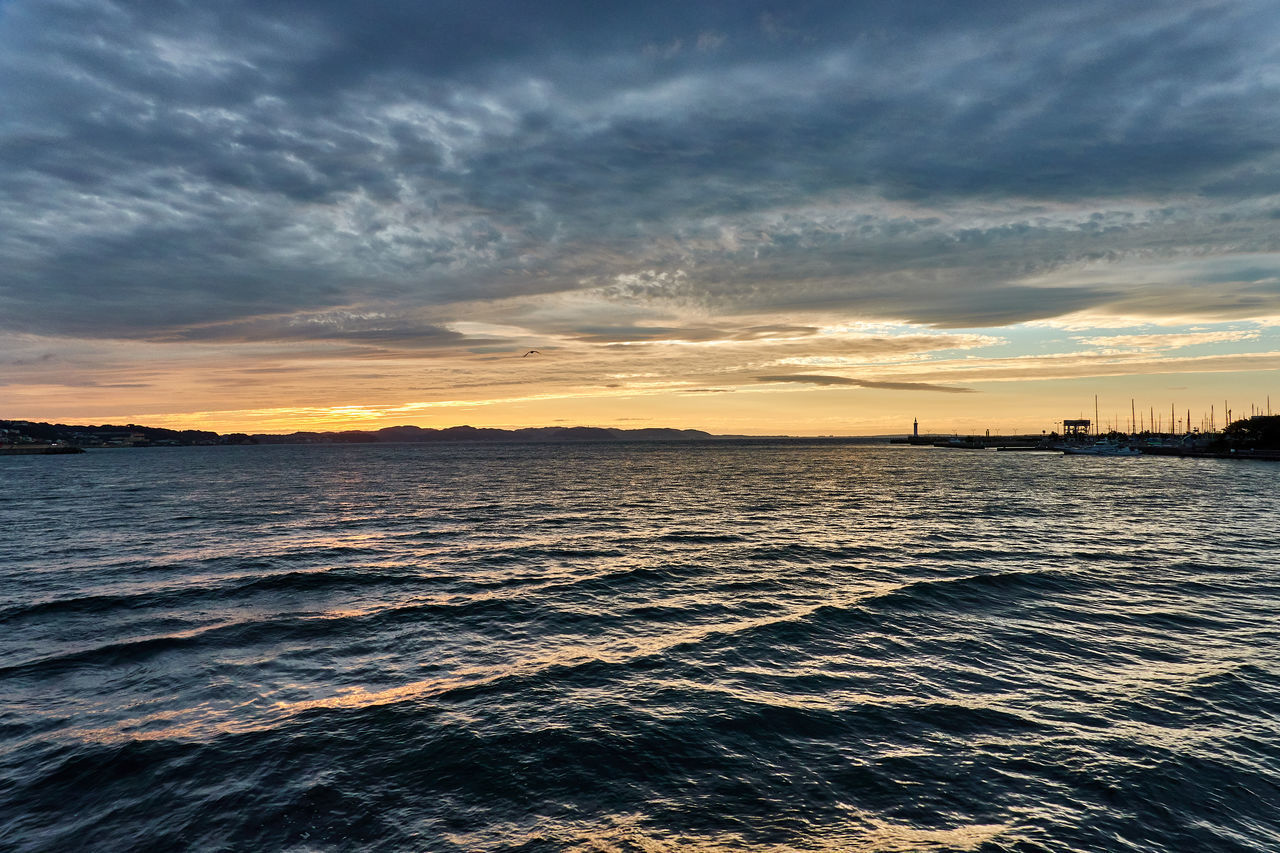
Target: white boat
x=1102 y=448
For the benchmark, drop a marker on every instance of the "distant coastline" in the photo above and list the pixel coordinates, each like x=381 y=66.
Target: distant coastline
x=20 y=434
x=1257 y=435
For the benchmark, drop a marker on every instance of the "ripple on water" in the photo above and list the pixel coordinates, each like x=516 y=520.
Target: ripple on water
x=765 y=646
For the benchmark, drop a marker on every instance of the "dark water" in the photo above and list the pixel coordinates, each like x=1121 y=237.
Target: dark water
x=706 y=647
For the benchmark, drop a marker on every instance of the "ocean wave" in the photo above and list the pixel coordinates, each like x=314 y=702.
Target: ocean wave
x=764 y=646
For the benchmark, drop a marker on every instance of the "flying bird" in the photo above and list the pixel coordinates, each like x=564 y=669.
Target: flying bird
x=531 y=352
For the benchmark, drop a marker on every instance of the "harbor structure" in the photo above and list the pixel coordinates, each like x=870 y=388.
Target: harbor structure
x=1076 y=427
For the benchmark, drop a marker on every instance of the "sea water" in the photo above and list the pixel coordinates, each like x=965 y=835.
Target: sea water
x=713 y=646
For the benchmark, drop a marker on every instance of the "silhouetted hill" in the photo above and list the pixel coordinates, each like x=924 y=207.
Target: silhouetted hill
x=117 y=434
x=422 y=435
x=135 y=435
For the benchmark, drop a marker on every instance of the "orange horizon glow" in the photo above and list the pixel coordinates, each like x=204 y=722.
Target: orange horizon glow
x=832 y=378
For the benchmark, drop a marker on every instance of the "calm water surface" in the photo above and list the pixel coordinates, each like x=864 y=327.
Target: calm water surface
x=638 y=647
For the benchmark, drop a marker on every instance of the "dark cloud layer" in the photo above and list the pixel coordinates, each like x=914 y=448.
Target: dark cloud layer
x=168 y=169
x=822 y=379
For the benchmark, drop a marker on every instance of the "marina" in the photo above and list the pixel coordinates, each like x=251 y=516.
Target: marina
x=1254 y=438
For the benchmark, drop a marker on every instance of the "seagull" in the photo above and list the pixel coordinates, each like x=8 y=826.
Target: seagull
x=531 y=352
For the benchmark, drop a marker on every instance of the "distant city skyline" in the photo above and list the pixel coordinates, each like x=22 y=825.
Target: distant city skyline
x=735 y=217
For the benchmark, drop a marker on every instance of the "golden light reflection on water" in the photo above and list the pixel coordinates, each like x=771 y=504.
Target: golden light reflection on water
x=209 y=720
x=861 y=832
x=1127 y=681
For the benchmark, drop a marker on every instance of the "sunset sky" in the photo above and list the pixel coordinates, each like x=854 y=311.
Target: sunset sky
x=804 y=218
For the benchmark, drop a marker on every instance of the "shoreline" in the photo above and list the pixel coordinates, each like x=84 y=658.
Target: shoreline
x=39 y=449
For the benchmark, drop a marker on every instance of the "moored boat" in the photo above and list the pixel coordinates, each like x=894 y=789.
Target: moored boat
x=1101 y=448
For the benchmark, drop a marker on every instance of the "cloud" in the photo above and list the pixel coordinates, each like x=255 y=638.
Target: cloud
x=361 y=329
x=221 y=163
x=1168 y=341
x=635 y=334
x=818 y=379
x=1080 y=365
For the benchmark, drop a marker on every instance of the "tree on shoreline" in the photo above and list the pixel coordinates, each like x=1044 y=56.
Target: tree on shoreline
x=1261 y=432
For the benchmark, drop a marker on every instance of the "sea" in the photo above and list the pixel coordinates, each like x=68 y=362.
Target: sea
x=684 y=646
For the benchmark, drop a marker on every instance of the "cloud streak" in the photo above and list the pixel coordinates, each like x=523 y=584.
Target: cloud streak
x=823 y=380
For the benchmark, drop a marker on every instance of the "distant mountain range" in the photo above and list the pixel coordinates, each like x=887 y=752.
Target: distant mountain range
x=420 y=435
x=135 y=435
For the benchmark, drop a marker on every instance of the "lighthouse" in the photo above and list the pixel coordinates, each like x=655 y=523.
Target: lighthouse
x=915 y=426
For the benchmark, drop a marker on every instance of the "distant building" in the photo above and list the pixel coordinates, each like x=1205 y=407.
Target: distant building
x=120 y=439
x=1077 y=426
